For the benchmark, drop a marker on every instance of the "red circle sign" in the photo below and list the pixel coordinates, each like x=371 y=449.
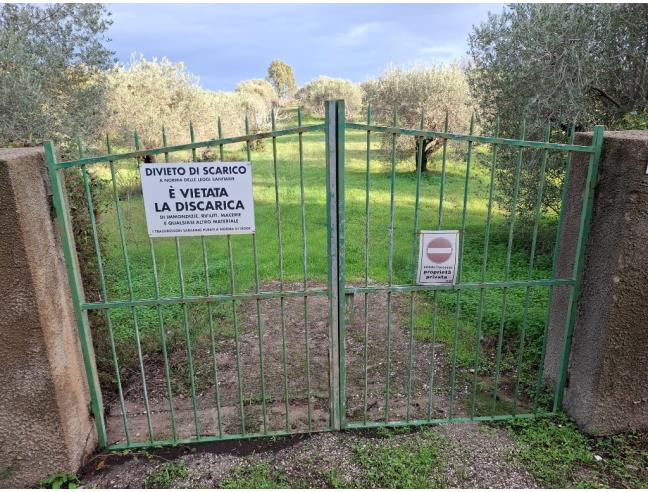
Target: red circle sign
x=439 y=250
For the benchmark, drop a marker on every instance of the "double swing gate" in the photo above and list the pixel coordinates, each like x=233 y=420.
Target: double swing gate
x=315 y=321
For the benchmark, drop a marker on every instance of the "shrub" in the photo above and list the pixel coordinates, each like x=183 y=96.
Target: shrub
x=261 y=88
x=313 y=95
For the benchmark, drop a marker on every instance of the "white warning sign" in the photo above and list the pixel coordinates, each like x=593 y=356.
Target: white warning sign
x=198 y=198
x=438 y=257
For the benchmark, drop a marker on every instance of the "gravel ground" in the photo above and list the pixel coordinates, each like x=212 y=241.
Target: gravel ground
x=472 y=456
x=482 y=457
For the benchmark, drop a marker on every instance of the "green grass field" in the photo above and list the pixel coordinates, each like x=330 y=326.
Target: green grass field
x=216 y=247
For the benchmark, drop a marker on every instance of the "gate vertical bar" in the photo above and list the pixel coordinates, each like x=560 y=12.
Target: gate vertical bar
x=366 y=266
x=305 y=268
x=462 y=240
x=390 y=264
x=74 y=277
x=331 y=129
x=584 y=229
x=480 y=312
x=257 y=283
x=339 y=138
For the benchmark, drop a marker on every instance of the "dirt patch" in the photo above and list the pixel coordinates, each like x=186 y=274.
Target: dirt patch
x=291 y=392
x=396 y=364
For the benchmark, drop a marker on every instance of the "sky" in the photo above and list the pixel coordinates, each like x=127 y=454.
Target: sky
x=223 y=44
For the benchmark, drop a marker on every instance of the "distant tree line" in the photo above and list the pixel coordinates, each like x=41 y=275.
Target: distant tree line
x=565 y=63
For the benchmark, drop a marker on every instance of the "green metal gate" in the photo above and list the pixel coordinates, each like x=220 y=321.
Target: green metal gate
x=249 y=352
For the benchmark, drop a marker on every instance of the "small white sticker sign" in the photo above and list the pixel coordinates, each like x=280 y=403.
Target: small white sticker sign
x=438 y=257
x=198 y=198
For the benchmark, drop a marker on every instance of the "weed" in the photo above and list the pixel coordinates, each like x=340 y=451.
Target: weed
x=559 y=455
x=164 y=477
x=552 y=450
x=60 y=480
x=625 y=459
x=335 y=480
x=405 y=464
x=257 y=476
x=386 y=432
x=7 y=472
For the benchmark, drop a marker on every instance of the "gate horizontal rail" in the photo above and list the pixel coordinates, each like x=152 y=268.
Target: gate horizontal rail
x=460 y=137
x=206 y=299
x=167 y=149
x=322 y=292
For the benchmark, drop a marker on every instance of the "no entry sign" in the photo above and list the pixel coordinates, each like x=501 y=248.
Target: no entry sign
x=198 y=199
x=437 y=257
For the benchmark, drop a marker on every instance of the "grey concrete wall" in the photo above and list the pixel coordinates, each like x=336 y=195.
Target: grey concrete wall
x=45 y=425
x=607 y=379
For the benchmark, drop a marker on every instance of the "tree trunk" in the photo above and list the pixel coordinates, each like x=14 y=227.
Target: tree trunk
x=429 y=146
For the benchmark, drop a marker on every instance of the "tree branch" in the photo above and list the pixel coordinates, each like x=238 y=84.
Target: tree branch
x=605 y=95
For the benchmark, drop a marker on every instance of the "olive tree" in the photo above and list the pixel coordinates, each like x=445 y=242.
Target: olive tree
x=149 y=94
x=52 y=59
x=313 y=95
x=582 y=63
x=282 y=78
x=258 y=98
x=563 y=64
x=261 y=88
x=430 y=92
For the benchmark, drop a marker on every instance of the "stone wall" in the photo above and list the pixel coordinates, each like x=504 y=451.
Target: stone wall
x=45 y=425
x=607 y=379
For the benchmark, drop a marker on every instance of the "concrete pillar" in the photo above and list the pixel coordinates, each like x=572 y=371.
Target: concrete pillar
x=45 y=424
x=607 y=379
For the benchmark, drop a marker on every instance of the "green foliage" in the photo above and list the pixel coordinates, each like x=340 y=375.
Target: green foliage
x=60 y=480
x=149 y=94
x=258 y=97
x=551 y=449
x=282 y=78
x=257 y=476
x=578 y=63
x=261 y=88
x=81 y=223
x=430 y=92
x=582 y=63
x=398 y=465
x=164 y=477
x=559 y=455
x=314 y=94
x=51 y=63
x=334 y=479
x=634 y=121
x=625 y=459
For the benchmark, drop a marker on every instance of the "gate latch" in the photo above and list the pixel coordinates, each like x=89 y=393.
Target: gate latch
x=348 y=307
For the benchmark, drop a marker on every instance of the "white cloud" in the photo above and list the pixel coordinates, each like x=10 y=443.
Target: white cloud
x=441 y=49
x=361 y=31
